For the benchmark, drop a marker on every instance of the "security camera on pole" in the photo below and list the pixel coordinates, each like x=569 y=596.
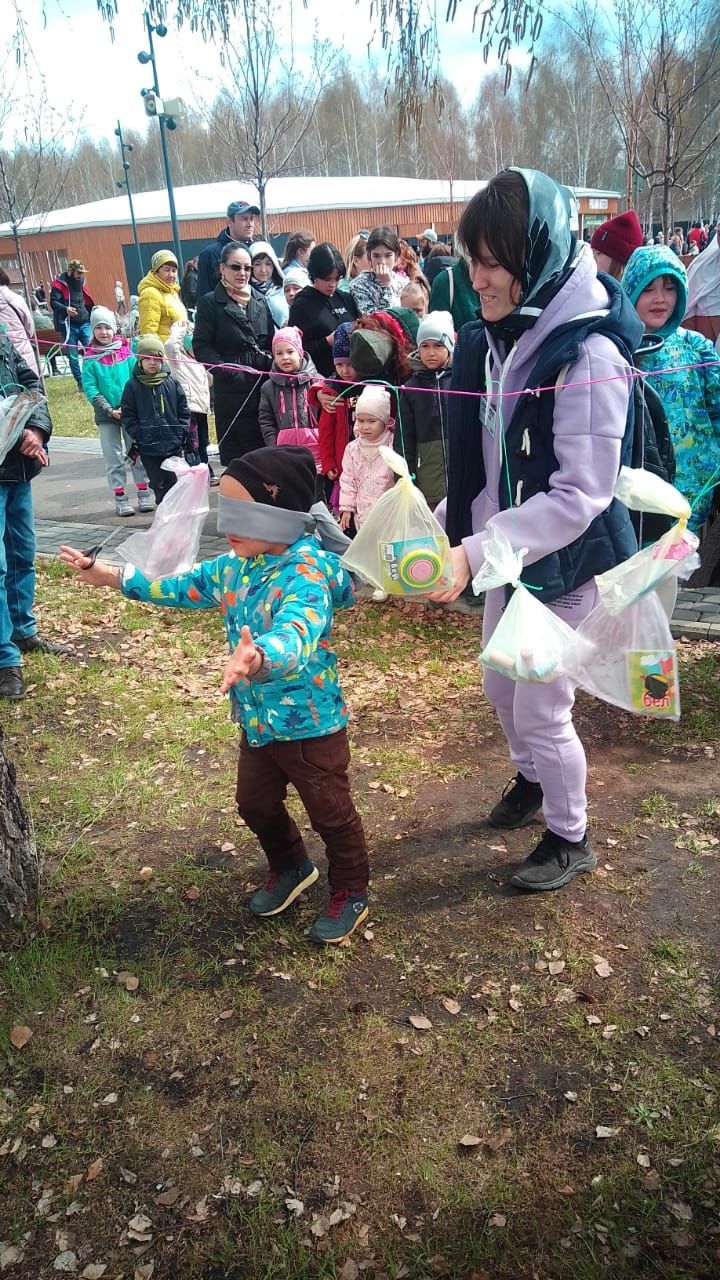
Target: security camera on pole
x=165 y=111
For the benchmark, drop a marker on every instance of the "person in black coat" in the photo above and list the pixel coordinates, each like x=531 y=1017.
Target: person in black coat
x=319 y=308
x=18 y=466
x=240 y=229
x=189 y=286
x=154 y=412
x=234 y=327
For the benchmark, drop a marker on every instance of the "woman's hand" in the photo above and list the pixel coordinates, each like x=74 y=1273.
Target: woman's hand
x=461 y=573
x=245 y=661
x=95 y=573
x=32 y=445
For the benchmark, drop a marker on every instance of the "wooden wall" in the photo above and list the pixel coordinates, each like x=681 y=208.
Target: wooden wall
x=101 y=248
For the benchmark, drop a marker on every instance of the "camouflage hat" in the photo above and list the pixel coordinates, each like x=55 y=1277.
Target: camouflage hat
x=77 y=266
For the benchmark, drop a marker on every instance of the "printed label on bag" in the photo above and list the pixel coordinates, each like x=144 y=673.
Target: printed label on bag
x=415 y=566
x=653 y=680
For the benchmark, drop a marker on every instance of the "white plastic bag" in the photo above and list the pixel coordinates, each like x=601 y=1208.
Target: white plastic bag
x=15 y=410
x=531 y=643
x=401 y=548
x=672 y=556
x=632 y=661
x=642 y=491
x=501 y=564
x=171 y=543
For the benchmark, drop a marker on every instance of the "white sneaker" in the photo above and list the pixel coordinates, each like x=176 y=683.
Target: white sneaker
x=145 y=500
x=122 y=505
x=379 y=595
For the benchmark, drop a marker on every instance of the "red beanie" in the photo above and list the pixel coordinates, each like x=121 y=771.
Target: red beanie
x=618 y=237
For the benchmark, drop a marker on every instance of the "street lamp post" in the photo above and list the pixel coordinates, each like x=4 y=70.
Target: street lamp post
x=127 y=146
x=160 y=30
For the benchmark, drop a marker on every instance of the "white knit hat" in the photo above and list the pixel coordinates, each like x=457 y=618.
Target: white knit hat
x=374 y=401
x=103 y=315
x=437 y=326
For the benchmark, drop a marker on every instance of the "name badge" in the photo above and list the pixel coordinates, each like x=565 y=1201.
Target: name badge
x=488 y=415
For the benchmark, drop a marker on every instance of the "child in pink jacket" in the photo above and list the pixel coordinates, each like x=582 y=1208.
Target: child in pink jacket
x=365 y=477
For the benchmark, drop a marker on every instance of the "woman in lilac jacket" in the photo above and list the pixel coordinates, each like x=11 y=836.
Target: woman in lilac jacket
x=16 y=319
x=541 y=467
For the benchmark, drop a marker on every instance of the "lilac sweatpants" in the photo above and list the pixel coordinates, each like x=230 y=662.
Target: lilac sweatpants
x=537 y=722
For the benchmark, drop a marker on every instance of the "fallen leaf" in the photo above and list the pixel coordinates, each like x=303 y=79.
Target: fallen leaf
x=651 y=1180
x=48 y=1142
x=226 y=1013
x=682 y=1239
x=168 y=1197
x=420 y=1022
x=514 y=1004
x=10 y=1255
x=470 y=1140
x=603 y=1131
x=368 y=935
x=497 y=1140
x=294 y=1206
x=144 y=1272
x=227 y=846
x=450 y=1005
x=192 y=893
x=570 y=1096
x=602 y=968
x=145 y=873
x=128 y=1176
x=129 y=981
x=109 y=1099
x=66 y=1261
x=680 y=1210
x=555 y=967
x=19 y=1036
x=93 y=1271
x=497 y=1220
x=350 y=1270
x=643 y=1160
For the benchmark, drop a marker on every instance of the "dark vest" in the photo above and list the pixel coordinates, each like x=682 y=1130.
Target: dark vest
x=531 y=460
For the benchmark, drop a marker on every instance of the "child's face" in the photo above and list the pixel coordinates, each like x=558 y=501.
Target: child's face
x=383 y=257
x=246 y=548
x=262 y=267
x=290 y=291
x=344 y=370
x=415 y=301
x=103 y=335
x=434 y=355
x=286 y=357
x=657 y=303
x=369 y=428
x=151 y=364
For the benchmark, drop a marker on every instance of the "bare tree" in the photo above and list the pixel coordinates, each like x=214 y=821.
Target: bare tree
x=267 y=104
x=654 y=60
x=19 y=862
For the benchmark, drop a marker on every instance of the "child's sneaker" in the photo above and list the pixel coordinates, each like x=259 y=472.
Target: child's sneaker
x=146 y=501
x=122 y=505
x=342 y=915
x=281 y=888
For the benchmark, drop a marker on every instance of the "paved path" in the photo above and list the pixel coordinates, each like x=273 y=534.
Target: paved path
x=73 y=504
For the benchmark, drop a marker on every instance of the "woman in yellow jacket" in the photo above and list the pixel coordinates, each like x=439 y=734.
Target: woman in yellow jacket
x=160 y=304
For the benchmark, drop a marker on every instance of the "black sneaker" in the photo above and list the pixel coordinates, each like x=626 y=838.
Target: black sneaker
x=40 y=644
x=12 y=684
x=520 y=802
x=553 y=862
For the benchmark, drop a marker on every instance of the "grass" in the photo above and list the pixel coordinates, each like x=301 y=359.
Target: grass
x=71 y=413
x=270 y=1107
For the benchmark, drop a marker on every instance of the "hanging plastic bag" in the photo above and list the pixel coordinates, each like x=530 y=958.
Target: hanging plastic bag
x=170 y=545
x=15 y=410
x=401 y=548
x=642 y=491
x=531 y=643
x=501 y=564
x=672 y=556
x=632 y=661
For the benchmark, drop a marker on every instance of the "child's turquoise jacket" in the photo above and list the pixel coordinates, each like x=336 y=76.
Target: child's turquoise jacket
x=103 y=379
x=690 y=395
x=287 y=601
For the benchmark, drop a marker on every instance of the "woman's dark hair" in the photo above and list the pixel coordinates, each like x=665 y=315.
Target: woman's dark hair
x=497 y=218
x=440 y=250
x=298 y=240
x=4 y=277
x=230 y=247
x=383 y=238
x=324 y=259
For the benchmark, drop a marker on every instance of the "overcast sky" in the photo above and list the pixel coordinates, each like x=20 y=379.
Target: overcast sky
x=96 y=80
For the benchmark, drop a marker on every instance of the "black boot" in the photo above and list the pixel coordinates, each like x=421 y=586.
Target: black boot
x=12 y=684
x=39 y=644
x=519 y=803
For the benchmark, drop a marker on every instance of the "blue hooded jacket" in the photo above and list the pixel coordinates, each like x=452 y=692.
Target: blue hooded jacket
x=690 y=395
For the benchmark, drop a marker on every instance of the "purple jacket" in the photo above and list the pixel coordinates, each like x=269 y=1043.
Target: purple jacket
x=588 y=427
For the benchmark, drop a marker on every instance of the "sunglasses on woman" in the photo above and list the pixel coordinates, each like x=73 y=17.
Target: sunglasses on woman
x=237 y=266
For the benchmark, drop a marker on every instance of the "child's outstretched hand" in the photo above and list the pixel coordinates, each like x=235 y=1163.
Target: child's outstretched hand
x=94 y=572
x=243 y=662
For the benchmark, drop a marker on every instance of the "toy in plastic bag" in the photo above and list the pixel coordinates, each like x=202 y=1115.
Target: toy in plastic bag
x=171 y=543
x=672 y=556
x=15 y=410
x=633 y=660
x=401 y=548
x=531 y=643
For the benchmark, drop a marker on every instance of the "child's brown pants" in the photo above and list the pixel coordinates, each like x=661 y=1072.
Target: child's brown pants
x=318 y=769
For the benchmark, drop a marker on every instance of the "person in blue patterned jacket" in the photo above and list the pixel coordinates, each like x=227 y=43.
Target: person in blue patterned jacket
x=277 y=588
